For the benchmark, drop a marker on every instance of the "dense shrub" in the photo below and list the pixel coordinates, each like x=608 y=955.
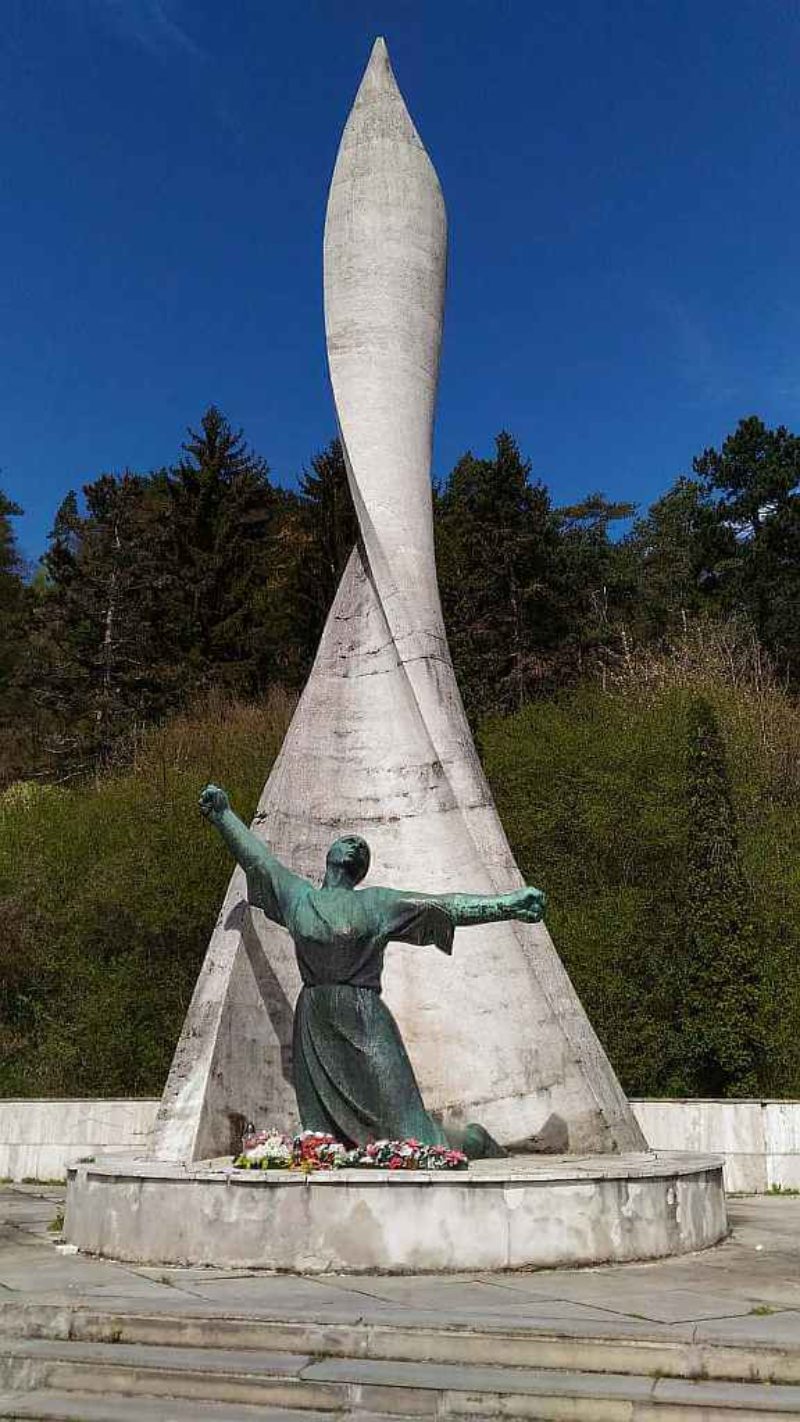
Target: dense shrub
x=108 y=894
x=599 y=795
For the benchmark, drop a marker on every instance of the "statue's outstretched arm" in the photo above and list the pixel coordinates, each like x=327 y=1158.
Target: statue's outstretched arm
x=523 y=905
x=432 y=918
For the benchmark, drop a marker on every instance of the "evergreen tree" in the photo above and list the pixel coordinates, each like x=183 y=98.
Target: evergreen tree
x=756 y=473
x=14 y=607
x=223 y=511
x=103 y=659
x=496 y=545
x=528 y=591
x=157 y=589
x=315 y=535
x=755 y=478
x=719 y=975
x=331 y=524
x=681 y=553
x=595 y=585
x=12 y=594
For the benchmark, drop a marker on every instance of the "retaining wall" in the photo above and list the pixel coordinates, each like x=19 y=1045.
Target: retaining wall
x=760 y=1140
x=39 y=1139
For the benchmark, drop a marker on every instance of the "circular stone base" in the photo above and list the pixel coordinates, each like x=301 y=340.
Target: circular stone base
x=524 y=1211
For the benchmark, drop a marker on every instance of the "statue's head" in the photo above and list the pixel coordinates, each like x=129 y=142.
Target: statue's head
x=348 y=858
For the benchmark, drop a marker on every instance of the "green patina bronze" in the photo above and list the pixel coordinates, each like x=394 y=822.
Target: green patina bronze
x=352 y=1075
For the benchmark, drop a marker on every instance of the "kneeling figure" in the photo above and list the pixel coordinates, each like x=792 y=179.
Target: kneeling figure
x=352 y=1076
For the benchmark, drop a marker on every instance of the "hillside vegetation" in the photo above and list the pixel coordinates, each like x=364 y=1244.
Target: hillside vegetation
x=612 y=800
x=109 y=892
x=662 y=815
x=634 y=695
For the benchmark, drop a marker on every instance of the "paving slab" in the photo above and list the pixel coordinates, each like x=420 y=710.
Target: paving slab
x=777 y=1329
x=49 y=1272
x=657 y=1305
x=262 y=1293
x=583 y=1322
x=463 y=1292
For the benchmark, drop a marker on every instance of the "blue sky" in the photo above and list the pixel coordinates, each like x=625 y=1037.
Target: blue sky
x=623 y=188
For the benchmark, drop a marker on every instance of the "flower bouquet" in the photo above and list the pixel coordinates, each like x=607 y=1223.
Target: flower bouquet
x=312 y=1150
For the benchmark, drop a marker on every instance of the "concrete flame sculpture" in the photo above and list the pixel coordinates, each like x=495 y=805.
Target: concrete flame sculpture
x=379 y=744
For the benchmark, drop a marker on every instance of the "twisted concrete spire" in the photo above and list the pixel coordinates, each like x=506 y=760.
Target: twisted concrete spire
x=379 y=744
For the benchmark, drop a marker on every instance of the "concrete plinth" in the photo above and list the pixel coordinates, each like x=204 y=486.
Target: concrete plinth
x=517 y=1213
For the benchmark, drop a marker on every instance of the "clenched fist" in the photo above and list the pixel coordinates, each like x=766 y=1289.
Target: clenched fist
x=213 y=803
x=529 y=905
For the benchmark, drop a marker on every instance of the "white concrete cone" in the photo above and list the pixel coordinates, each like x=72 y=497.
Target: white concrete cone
x=379 y=744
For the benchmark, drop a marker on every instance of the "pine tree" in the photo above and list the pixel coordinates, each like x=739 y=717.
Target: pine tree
x=755 y=479
x=103 y=657
x=594 y=583
x=14 y=609
x=12 y=593
x=222 y=515
x=495 y=543
x=680 y=553
x=330 y=520
x=157 y=587
x=718 y=972
x=528 y=590
x=314 y=534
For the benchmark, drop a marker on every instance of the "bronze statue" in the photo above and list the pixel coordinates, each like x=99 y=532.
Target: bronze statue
x=352 y=1075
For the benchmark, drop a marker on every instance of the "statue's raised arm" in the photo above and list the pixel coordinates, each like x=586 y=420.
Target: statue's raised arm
x=270 y=885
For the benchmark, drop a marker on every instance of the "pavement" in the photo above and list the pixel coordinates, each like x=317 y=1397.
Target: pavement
x=748 y=1287
x=713 y=1336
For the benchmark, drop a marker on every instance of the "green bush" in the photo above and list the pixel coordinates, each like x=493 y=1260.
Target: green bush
x=720 y=963
x=108 y=895
x=598 y=794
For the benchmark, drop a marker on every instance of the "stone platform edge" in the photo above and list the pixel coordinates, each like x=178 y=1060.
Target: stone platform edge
x=524 y=1212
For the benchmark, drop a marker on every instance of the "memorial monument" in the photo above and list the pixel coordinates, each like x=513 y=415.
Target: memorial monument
x=379 y=750
x=380 y=746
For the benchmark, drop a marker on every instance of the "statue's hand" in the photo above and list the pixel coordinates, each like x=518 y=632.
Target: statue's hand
x=529 y=905
x=213 y=803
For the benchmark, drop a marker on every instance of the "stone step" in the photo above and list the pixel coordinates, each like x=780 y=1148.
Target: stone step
x=421 y=1338
x=44 y=1405
x=347 y=1387
x=208 y=1374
